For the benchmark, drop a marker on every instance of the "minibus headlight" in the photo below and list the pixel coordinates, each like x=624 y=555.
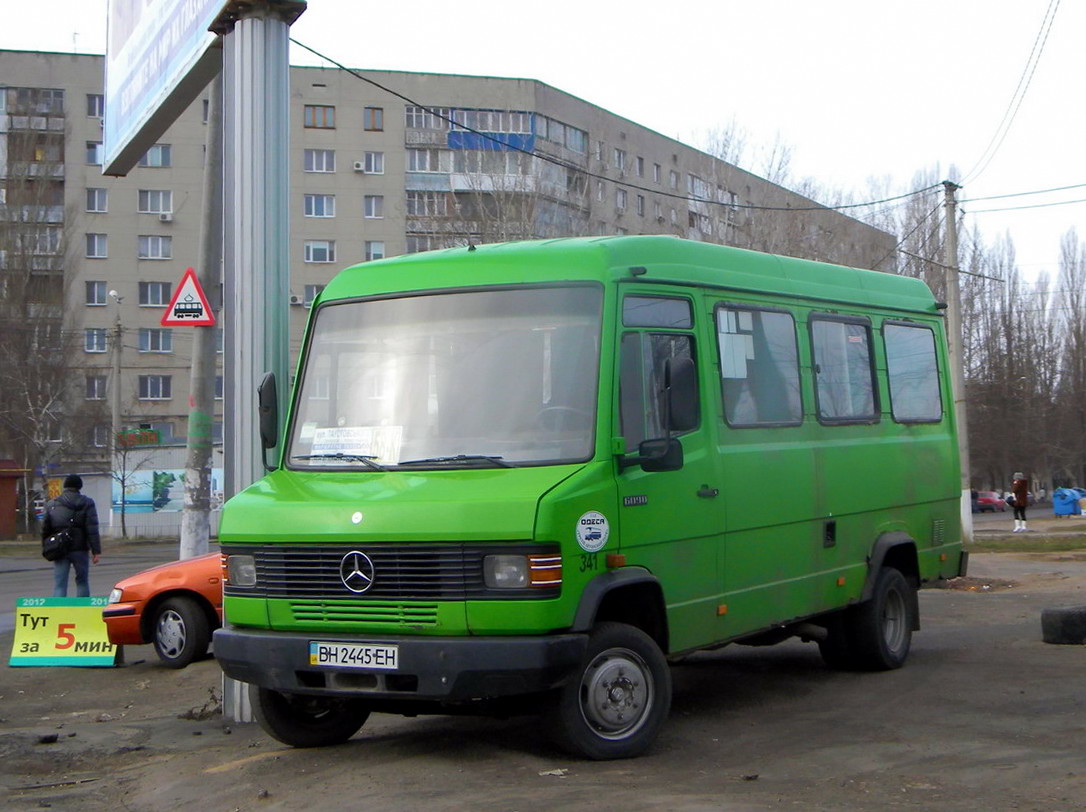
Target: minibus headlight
x=505 y=571
x=241 y=570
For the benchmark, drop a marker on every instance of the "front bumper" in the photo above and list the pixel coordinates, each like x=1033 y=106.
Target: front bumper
x=442 y=669
x=123 y=624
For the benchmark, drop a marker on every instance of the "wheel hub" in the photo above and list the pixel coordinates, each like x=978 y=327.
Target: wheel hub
x=616 y=694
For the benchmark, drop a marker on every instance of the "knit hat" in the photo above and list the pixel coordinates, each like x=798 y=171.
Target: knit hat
x=74 y=481
x=1019 y=475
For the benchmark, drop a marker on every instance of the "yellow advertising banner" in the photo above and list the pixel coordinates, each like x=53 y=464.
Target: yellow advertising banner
x=61 y=631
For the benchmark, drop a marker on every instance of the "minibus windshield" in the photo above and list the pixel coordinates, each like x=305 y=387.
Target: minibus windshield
x=489 y=378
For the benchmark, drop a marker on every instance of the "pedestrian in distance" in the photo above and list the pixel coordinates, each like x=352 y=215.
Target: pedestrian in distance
x=73 y=510
x=1020 y=495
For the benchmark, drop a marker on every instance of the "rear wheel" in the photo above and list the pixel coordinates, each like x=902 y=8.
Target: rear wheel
x=181 y=632
x=306 y=721
x=618 y=699
x=881 y=630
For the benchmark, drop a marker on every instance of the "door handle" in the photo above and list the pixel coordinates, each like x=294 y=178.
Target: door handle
x=705 y=492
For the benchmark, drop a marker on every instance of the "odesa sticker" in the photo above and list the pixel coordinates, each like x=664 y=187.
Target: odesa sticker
x=592 y=531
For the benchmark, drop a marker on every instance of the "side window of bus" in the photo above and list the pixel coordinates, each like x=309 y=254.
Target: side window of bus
x=844 y=374
x=641 y=382
x=913 y=370
x=759 y=367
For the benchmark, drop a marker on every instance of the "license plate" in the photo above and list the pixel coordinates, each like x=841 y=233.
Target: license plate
x=354 y=655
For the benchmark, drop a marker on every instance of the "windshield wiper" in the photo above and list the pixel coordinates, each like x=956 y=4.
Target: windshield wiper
x=367 y=460
x=497 y=462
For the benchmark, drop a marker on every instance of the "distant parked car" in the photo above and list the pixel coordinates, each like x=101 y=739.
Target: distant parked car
x=990 y=501
x=175 y=606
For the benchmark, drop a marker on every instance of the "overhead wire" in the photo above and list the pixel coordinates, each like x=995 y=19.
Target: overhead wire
x=1018 y=96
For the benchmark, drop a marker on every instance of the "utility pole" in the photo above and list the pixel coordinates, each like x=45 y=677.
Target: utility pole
x=196 y=515
x=956 y=349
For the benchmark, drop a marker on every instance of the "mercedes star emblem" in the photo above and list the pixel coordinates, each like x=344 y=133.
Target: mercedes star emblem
x=356 y=571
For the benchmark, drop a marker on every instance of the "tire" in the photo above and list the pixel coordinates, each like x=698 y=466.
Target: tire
x=180 y=632
x=880 y=630
x=617 y=700
x=835 y=650
x=306 y=721
x=1065 y=626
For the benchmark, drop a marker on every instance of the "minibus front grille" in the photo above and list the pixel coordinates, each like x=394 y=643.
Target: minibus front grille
x=349 y=612
x=426 y=572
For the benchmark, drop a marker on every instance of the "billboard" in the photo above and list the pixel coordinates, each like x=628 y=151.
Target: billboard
x=159 y=56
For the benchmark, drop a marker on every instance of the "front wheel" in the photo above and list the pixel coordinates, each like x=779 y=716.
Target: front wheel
x=181 y=632
x=617 y=700
x=306 y=721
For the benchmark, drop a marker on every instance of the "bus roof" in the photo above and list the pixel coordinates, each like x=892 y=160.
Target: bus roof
x=666 y=260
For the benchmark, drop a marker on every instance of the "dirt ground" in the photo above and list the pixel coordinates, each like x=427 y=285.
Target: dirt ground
x=984 y=716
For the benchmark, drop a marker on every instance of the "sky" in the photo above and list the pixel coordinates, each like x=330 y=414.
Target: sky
x=863 y=92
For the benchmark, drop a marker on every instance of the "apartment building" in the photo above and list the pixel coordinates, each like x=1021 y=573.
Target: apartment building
x=468 y=159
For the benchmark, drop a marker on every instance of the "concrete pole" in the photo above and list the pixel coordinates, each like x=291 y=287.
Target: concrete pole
x=956 y=351
x=196 y=516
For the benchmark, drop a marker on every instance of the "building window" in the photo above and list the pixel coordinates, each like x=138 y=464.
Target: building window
x=99 y=436
x=97 y=200
x=156 y=339
x=619 y=156
x=311 y=292
x=155 y=201
x=219 y=339
x=96 y=293
x=154 y=246
x=94 y=339
x=427 y=118
x=640 y=167
x=155 y=294
x=320 y=250
x=96 y=388
x=218 y=387
x=374 y=163
x=96 y=105
x=373 y=119
x=159 y=155
x=320 y=117
x=656 y=169
x=673 y=179
x=620 y=199
x=599 y=190
x=427 y=204
x=375 y=249
x=320 y=160
x=154 y=387
x=600 y=151
x=94 y=153
x=374 y=207
x=320 y=205
x=429 y=160
x=641 y=205
x=657 y=211
x=97 y=246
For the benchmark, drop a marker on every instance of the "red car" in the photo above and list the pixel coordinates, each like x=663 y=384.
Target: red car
x=175 y=606
x=990 y=501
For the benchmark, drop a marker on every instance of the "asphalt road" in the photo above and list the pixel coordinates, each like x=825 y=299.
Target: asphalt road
x=983 y=716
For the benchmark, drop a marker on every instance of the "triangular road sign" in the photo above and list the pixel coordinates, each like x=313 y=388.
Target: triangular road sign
x=189 y=307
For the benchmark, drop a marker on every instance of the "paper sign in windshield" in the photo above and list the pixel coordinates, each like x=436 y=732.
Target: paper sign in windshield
x=382 y=443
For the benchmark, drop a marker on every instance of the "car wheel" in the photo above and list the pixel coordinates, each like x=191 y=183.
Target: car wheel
x=306 y=721
x=617 y=700
x=181 y=632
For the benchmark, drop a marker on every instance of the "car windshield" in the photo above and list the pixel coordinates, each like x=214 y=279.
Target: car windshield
x=473 y=379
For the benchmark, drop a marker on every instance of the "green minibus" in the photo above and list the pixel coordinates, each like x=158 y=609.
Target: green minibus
x=523 y=477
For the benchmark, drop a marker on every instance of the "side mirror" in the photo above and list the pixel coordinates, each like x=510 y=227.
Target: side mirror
x=681 y=381
x=268 y=408
x=662 y=454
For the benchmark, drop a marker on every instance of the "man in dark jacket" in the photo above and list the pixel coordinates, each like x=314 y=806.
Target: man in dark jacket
x=73 y=509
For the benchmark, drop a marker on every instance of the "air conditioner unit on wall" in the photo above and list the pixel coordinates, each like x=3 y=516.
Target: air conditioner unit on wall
x=360 y=166
x=295 y=299
x=165 y=218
